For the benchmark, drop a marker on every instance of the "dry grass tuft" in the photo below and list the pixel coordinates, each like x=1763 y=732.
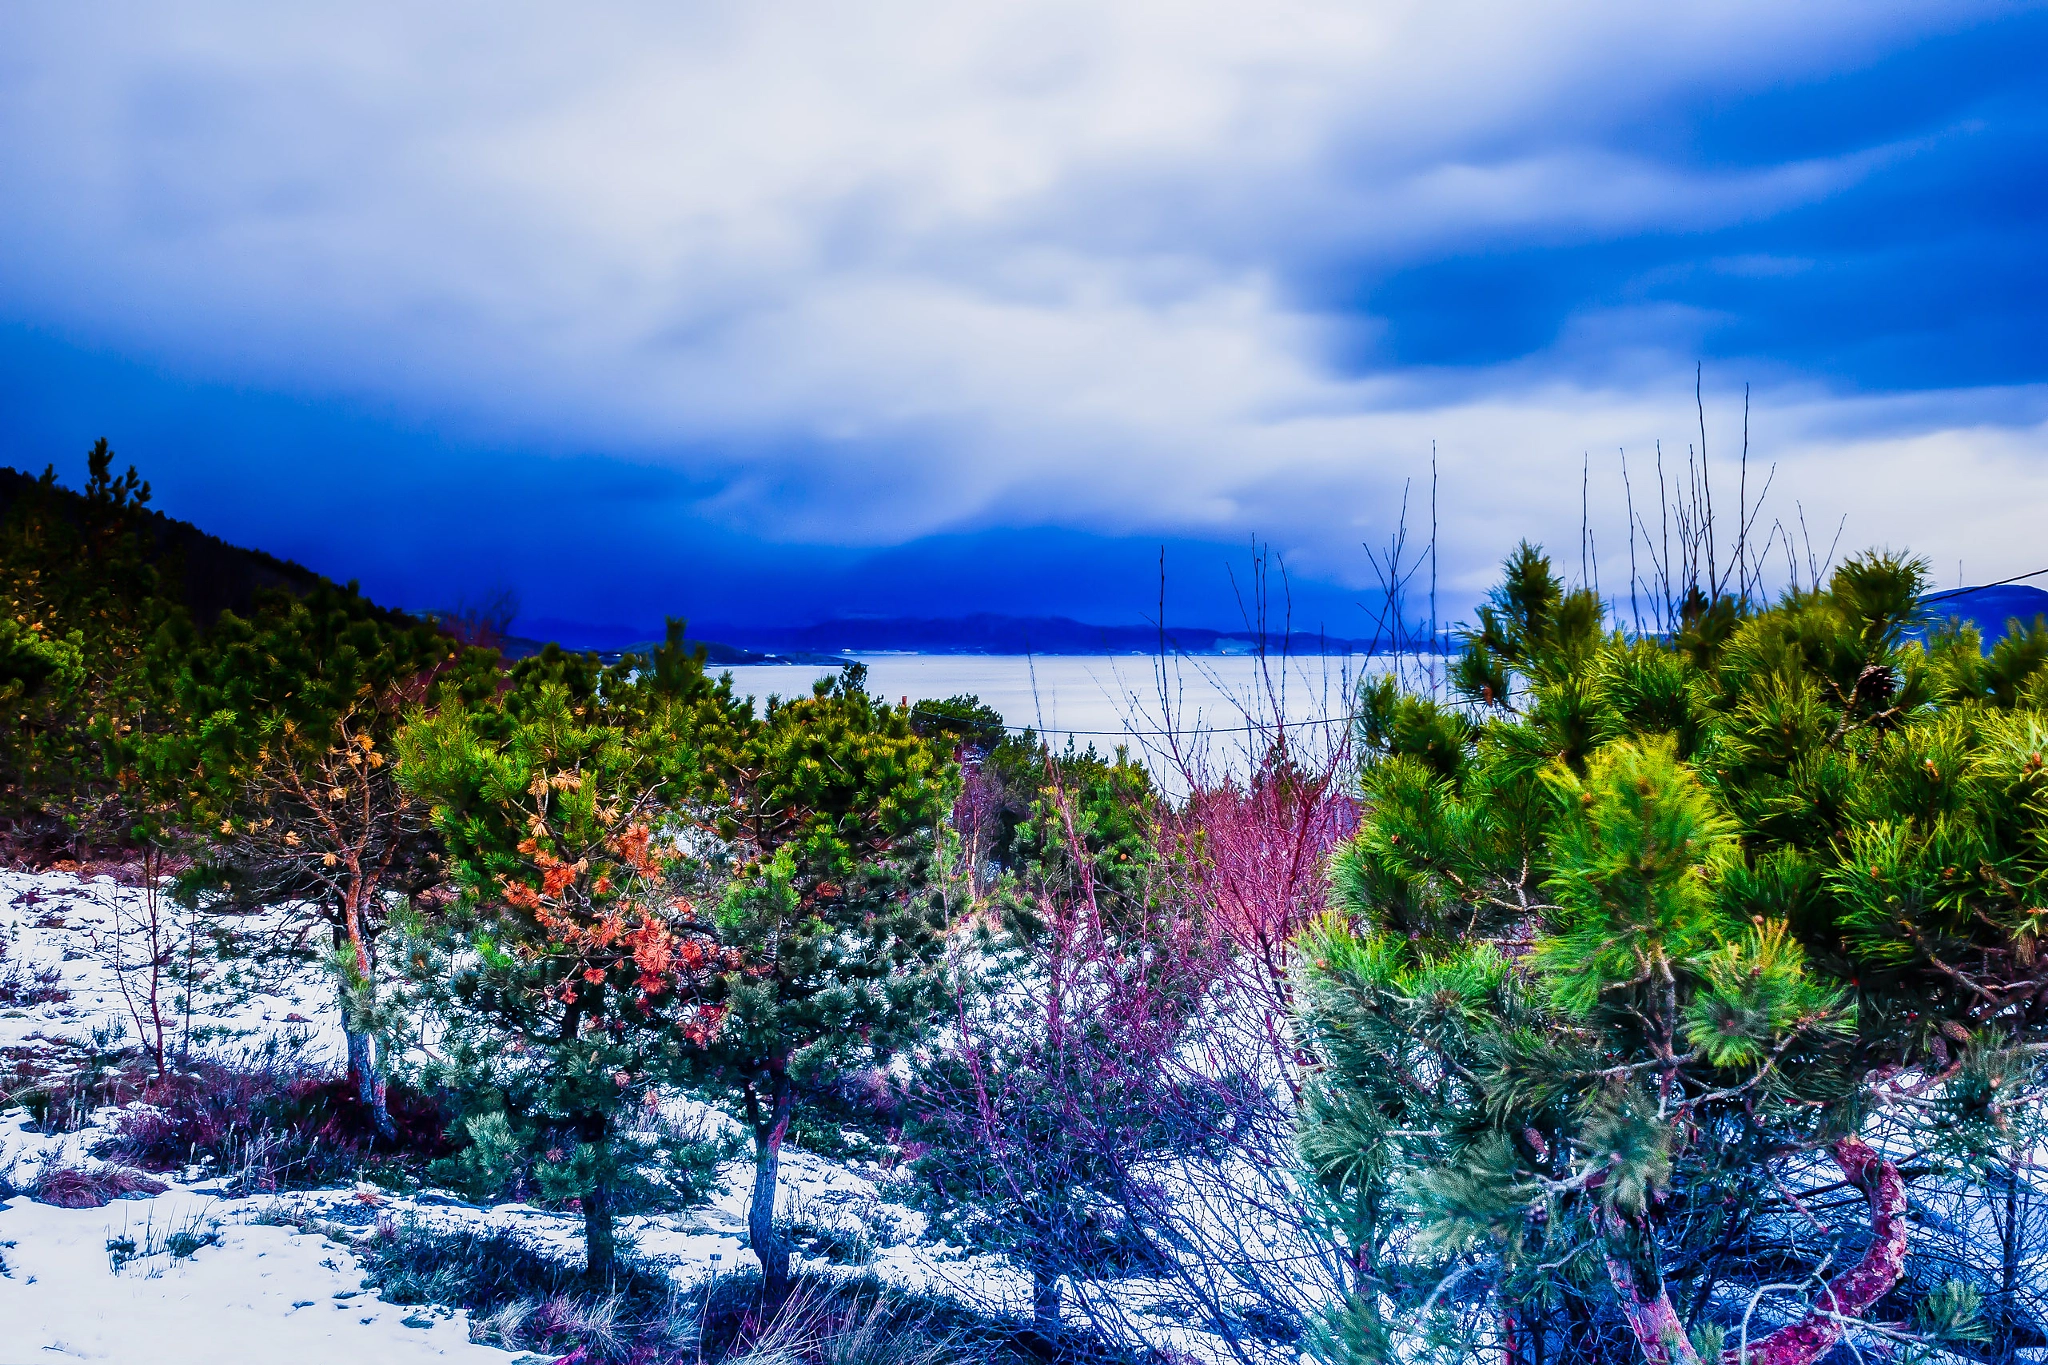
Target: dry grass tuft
x=83 y=1187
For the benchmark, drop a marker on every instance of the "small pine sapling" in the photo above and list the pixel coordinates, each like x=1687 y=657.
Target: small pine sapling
x=831 y=921
x=569 y=974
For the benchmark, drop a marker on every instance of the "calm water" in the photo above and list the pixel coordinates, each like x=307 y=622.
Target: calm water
x=1106 y=699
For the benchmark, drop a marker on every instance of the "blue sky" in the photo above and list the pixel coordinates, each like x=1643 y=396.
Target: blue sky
x=772 y=312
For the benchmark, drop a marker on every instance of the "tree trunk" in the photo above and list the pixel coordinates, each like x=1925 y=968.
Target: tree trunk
x=599 y=1244
x=1629 y=1248
x=1640 y=1291
x=769 y=1130
x=1660 y=1333
x=2009 y=1238
x=1045 y=1303
x=366 y=1071
x=372 y=1086
x=1852 y=1293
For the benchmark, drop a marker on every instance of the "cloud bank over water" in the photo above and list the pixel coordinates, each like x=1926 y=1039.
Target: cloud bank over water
x=812 y=305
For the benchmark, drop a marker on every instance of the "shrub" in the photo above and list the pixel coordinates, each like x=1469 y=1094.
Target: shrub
x=518 y=1295
x=832 y=1321
x=90 y=1187
x=273 y=1123
x=1043 y=1120
x=854 y=1324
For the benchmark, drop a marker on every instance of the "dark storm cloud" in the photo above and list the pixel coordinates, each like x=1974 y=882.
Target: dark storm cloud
x=771 y=312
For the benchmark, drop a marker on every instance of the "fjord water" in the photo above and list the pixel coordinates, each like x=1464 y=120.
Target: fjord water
x=1107 y=699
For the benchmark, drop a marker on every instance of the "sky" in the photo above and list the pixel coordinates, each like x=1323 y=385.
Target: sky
x=767 y=313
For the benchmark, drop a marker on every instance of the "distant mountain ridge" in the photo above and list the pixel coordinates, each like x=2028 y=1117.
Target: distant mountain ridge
x=990 y=633
x=529 y=635
x=829 y=642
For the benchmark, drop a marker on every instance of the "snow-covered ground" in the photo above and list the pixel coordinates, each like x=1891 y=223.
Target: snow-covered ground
x=273 y=1277
x=266 y=1291
x=263 y=1293
x=80 y=927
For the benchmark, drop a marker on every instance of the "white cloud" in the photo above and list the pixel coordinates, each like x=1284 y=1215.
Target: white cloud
x=881 y=270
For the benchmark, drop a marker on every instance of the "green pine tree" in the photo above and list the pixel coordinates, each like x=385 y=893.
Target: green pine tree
x=81 y=598
x=1632 y=923
x=834 y=809
x=571 y=972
